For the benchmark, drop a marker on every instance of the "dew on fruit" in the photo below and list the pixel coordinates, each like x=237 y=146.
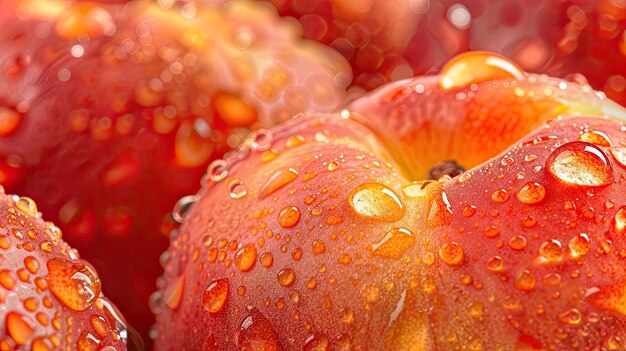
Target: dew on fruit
x=100 y=325
x=74 y=284
x=416 y=189
x=87 y=342
x=8 y=279
x=173 y=293
x=318 y=247
x=245 y=257
x=376 y=201
x=551 y=251
x=236 y=189
x=289 y=216
x=215 y=295
x=451 y=253
x=27 y=205
x=619 y=153
x=278 y=180
x=517 y=242
x=266 y=259
x=596 y=138
x=476 y=67
x=579 y=245
x=580 y=163
x=573 y=316
x=394 y=244
x=19 y=327
x=531 y=193
x=495 y=264
x=316 y=342
x=217 y=170
x=333 y=165
x=500 y=195
x=182 y=207
x=263 y=139
x=551 y=279
x=257 y=333
x=525 y=281
x=295 y=140
x=286 y=277
x=619 y=221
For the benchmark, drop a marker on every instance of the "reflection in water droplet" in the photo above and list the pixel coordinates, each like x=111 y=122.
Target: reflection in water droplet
x=289 y=216
x=316 y=342
x=580 y=163
x=596 y=138
x=263 y=139
x=19 y=327
x=376 y=201
x=74 y=284
x=476 y=67
x=394 y=244
x=173 y=293
x=256 y=333
x=215 y=295
x=277 y=180
x=27 y=205
x=531 y=193
x=551 y=251
x=286 y=277
x=245 y=258
x=236 y=189
x=217 y=170
x=182 y=207
x=525 y=281
x=579 y=245
x=452 y=254
x=572 y=316
x=619 y=221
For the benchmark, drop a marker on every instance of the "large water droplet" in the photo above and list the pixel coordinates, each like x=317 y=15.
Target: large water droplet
x=173 y=293
x=525 y=281
x=580 y=163
x=286 y=277
x=289 y=216
x=182 y=207
x=215 y=295
x=579 y=245
x=75 y=284
x=27 y=205
x=257 y=334
x=394 y=244
x=476 y=67
x=376 y=201
x=551 y=251
x=19 y=327
x=278 y=180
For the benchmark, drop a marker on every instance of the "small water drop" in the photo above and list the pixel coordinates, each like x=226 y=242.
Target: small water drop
x=263 y=139
x=286 y=277
x=236 y=189
x=75 y=284
x=452 y=254
x=495 y=264
x=619 y=221
x=579 y=245
x=531 y=193
x=215 y=295
x=217 y=170
x=27 y=205
x=517 y=242
x=500 y=195
x=572 y=316
x=173 y=293
x=318 y=247
x=316 y=342
x=182 y=207
x=551 y=251
x=266 y=259
x=394 y=244
x=580 y=163
x=289 y=216
x=245 y=258
x=278 y=180
x=525 y=281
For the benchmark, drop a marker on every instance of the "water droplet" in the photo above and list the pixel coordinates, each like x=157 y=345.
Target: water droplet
x=289 y=216
x=376 y=201
x=452 y=254
x=619 y=220
x=316 y=342
x=580 y=163
x=517 y=242
x=572 y=316
x=476 y=67
x=266 y=259
x=173 y=293
x=525 y=281
x=236 y=189
x=318 y=247
x=215 y=295
x=619 y=153
x=286 y=277
x=596 y=138
x=531 y=193
x=551 y=251
x=27 y=205
x=278 y=180
x=579 y=245
x=10 y=120
x=19 y=327
x=75 y=284
x=475 y=309
x=217 y=170
x=394 y=244
x=256 y=333
x=245 y=258
x=182 y=207
x=87 y=342
x=263 y=139
x=100 y=325
x=469 y=211
x=500 y=195
x=495 y=264
x=8 y=279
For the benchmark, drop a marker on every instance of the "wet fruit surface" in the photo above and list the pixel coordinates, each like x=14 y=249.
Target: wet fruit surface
x=108 y=154
x=522 y=251
x=50 y=299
